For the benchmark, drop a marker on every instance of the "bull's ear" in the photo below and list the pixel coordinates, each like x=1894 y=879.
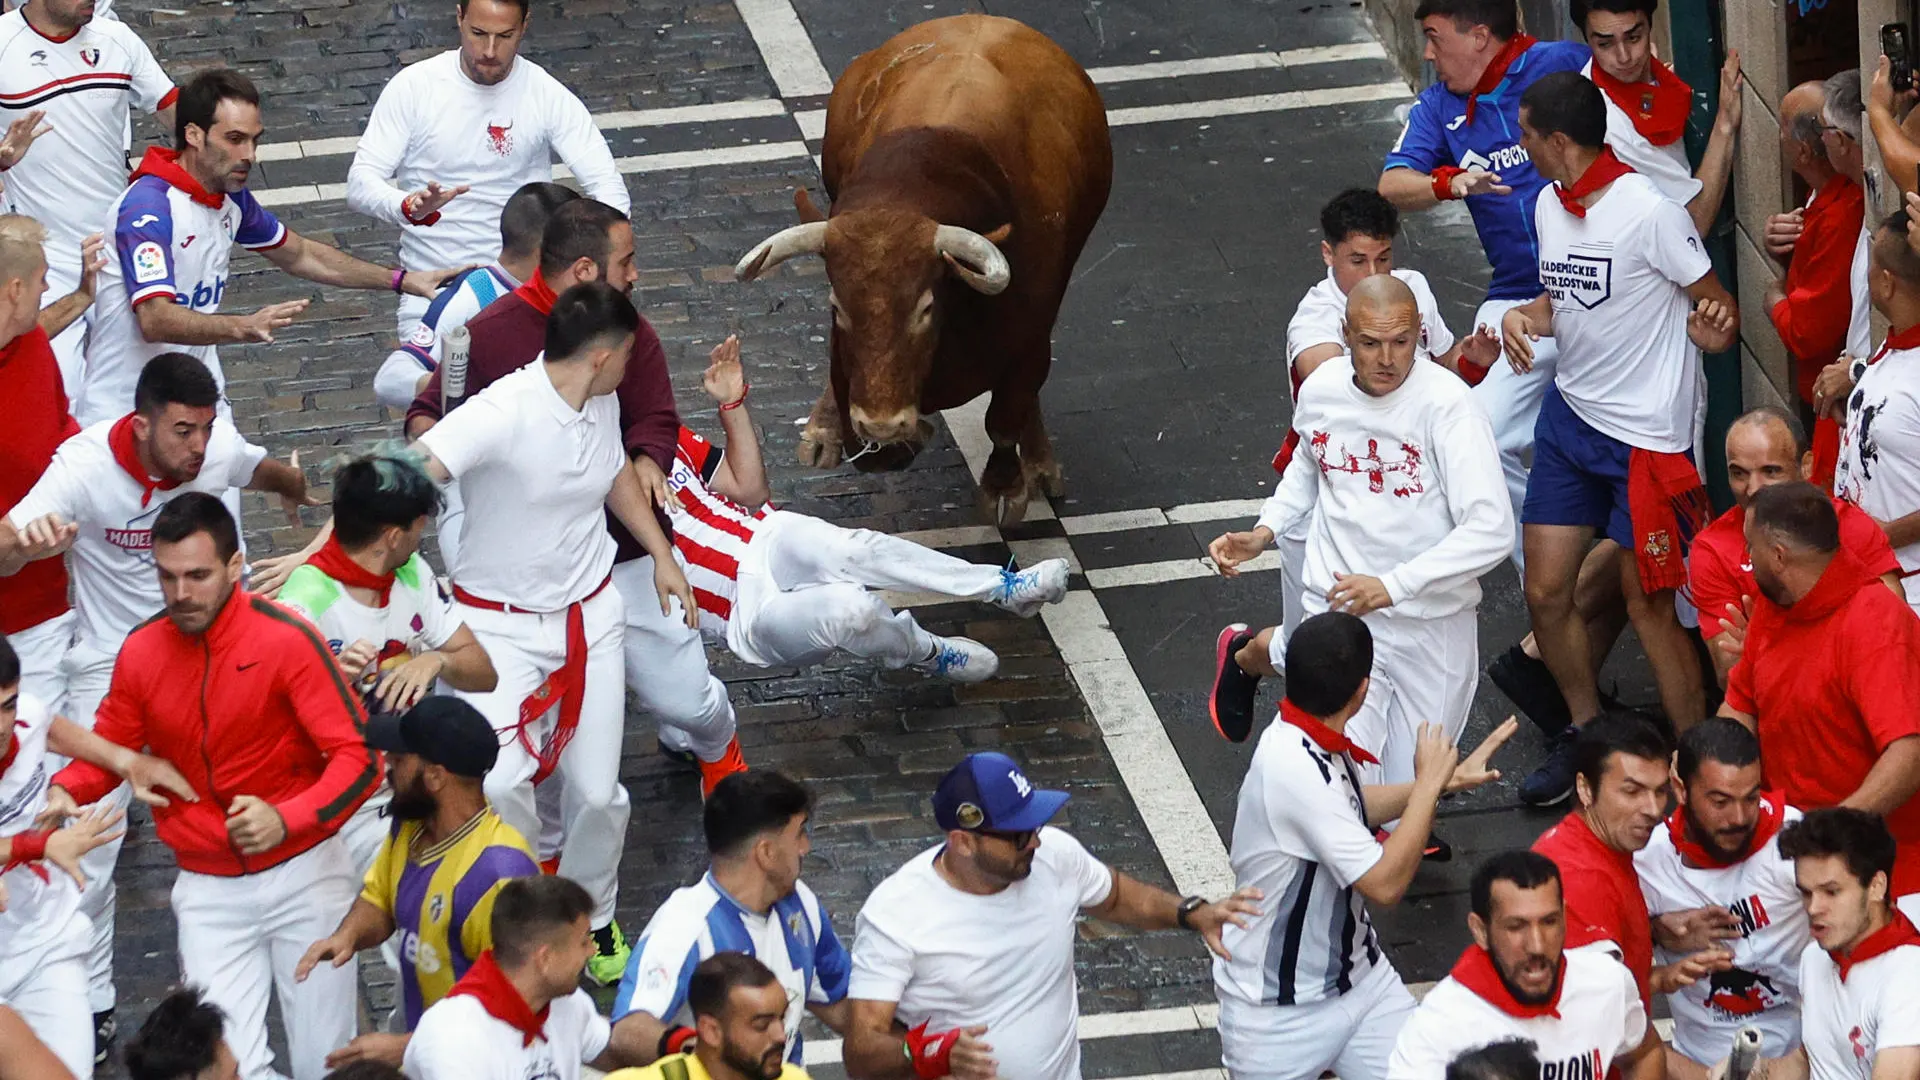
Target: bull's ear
x=999 y=235
x=803 y=205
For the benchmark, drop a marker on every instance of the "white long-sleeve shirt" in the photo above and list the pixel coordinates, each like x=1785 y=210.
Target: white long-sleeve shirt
x=434 y=123
x=1406 y=488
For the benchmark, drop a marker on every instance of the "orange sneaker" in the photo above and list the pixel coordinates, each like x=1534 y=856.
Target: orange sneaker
x=712 y=772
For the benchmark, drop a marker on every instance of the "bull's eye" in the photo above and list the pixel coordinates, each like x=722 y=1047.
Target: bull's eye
x=922 y=313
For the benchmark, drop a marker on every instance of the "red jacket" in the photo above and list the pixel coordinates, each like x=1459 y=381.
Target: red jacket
x=37 y=423
x=254 y=706
x=1813 y=318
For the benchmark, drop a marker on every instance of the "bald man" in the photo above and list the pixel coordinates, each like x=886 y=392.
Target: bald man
x=1399 y=480
x=1812 y=306
x=1764 y=448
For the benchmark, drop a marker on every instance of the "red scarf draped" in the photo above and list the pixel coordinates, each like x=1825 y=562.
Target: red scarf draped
x=333 y=561
x=1658 y=109
x=165 y=164
x=1605 y=170
x=1497 y=69
x=127 y=454
x=1667 y=506
x=1773 y=811
x=537 y=292
x=486 y=983
x=1323 y=736
x=1905 y=339
x=1475 y=971
x=1884 y=940
x=13 y=748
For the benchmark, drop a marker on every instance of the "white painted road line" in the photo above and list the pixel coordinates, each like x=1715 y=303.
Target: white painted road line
x=1257 y=103
x=1253 y=61
x=715 y=112
x=789 y=53
x=1220 y=510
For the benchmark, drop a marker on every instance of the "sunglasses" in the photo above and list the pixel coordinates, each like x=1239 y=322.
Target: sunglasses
x=1019 y=840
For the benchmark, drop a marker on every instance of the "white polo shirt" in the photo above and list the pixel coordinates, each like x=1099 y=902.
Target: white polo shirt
x=534 y=474
x=457 y=1039
x=1847 y=1020
x=115 y=586
x=1762 y=988
x=1618 y=281
x=1666 y=166
x=1300 y=836
x=42 y=920
x=1599 y=1019
x=1879 y=467
x=953 y=959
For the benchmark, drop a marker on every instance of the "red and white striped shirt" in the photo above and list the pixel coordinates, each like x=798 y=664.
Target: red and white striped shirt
x=711 y=530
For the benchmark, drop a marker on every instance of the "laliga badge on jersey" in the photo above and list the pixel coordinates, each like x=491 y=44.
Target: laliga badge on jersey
x=149 y=263
x=969 y=816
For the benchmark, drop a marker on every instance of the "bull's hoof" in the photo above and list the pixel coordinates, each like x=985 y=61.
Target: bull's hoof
x=889 y=458
x=1004 y=508
x=819 y=449
x=1046 y=479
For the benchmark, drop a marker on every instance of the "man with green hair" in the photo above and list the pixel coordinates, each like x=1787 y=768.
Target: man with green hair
x=389 y=624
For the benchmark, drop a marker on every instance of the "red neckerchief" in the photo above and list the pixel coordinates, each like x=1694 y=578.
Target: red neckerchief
x=1497 y=69
x=1475 y=971
x=538 y=293
x=120 y=441
x=1658 y=109
x=13 y=748
x=333 y=561
x=1773 y=811
x=1884 y=940
x=165 y=164
x=1905 y=339
x=1323 y=736
x=486 y=983
x=1605 y=170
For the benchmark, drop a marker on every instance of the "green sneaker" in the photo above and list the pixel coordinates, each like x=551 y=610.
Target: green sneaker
x=609 y=961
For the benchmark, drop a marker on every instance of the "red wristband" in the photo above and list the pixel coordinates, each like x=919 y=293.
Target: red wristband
x=29 y=847
x=1473 y=373
x=739 y=401
x=929 y=1053
x=399 y=277
x=676 y=1039
x=1443 y=182
x=406 y=211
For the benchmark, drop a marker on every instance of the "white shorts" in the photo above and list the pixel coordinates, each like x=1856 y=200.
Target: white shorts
x=43 y=649
x=1424 y=672
x=1353 y=1034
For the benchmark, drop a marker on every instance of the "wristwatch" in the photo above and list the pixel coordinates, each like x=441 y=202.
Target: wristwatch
x=1183 y=914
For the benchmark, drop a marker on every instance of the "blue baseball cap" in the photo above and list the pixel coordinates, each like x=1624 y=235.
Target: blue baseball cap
x=988 y=791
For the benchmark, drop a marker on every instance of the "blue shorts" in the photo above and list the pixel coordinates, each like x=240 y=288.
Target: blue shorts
x=1579 y=475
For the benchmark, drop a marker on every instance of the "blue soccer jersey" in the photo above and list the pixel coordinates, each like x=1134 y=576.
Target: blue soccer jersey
x=1438 y=134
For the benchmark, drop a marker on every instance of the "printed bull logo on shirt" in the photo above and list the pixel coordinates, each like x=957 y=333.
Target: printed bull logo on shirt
x=1584 y=1066
x=500 y=137
x=1737 y=993
x=1586 y=280
x=1399 y=474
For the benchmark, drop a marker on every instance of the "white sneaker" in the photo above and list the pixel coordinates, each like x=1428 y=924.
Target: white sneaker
x=961 y=660
x=1026 y=592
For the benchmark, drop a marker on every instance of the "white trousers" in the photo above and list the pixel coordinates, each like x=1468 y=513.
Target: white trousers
x=42 y=649
x=526 y=648
x=804 y=592
x=1424 y=672
x=366 y=831
x=1353 y=1034
x=89 y=670
x=1512 y=402
x=1293 y=584
x=667 y=668
x=240 y=938
x=412 y=309
x=48 y=988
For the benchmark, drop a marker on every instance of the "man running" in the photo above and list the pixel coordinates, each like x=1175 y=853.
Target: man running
x=461 y=132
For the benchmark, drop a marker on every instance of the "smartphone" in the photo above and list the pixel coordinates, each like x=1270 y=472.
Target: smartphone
x=1894 y=43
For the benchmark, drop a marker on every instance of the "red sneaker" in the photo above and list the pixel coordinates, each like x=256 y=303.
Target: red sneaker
x=712 y=772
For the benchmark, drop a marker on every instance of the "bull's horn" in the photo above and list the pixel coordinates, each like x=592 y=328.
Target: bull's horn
x=975 y=258
x=807 y=239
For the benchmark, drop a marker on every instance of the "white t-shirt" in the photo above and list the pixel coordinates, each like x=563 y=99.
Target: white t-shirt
x=1321 y=319
x=1847 y=1022
x=1879 y=467
x=418 y=616
x=1763 y=987
x=457 y=1039
x=1405 y=487
x=86 y=85
x=1300 y=836
x=1600 y=1019
x=1860 y=326
x=1618 y=280
x=115 y=587
x=38 y=923
x=534 y=474
x=954 y=959
x=1666 y=166
x=434 y=123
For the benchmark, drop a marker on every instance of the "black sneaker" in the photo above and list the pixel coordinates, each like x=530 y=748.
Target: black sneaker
x=1529 y=685
x=104 y=1030
x=686 y=759
x=1552 y=782
x=1231 y=704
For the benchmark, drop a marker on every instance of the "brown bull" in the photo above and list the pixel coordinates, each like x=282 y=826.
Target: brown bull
x=966 y=161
